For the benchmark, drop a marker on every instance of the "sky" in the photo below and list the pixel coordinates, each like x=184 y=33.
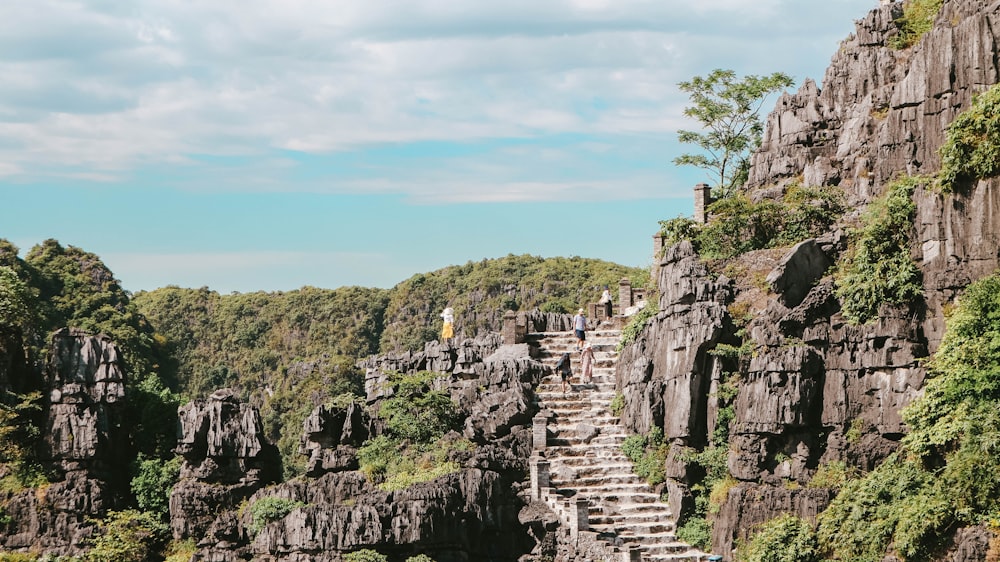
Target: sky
x=249 y=145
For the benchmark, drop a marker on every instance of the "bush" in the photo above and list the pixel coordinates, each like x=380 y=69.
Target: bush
x=637 y=323
x=917 y=19
x=269 y=509
x=783 y=539
x=181 y=551
x=696 y=532
x=420 y=558
x=365 y=555
x=831 y=475
x=416 y=412
x=154 y=480
x=972 y=148
x=128 y=536
x=878 y=268
x=648 y=454
x=617 y=405
x=395 y=464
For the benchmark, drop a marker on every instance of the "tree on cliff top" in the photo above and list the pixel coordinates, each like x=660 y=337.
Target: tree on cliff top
x=728 y=111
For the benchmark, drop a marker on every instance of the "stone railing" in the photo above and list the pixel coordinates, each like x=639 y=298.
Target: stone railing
x=574 y=513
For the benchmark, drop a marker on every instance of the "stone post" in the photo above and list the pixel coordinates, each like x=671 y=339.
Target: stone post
x=513 y=332
x=632 y=554
x=624 y=294
x=539 y=430
x=539 y=476
x=702 y=199
x=578 y=511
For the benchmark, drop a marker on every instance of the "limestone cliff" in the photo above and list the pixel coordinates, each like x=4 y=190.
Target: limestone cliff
x=812 y=388
x=84 y=449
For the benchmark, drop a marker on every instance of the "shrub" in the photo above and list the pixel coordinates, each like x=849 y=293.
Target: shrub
x=785 y=538
x=180 y=551
x=415 y=411
x=365 y=555
x=637 y=323
x=648 y=453
x=420 y=558
x=128 y=536
x=831 y=475
x=617 y=404
x=634 y=446
x=269 y=509
x=395 y=464
x=697 y=532
x=677 y=229
x=154 y=480
x=917 y=19
x=878 y=268
x=972 y=147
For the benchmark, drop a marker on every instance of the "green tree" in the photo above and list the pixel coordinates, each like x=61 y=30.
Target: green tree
x=728 y=110
x=14 y=298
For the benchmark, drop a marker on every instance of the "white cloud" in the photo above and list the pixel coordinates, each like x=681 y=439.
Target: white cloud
x=105 y=90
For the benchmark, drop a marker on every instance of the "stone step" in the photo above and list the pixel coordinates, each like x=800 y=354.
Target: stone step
x=622 y=507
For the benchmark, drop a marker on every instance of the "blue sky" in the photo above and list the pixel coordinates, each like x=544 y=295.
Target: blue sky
x=270 y=144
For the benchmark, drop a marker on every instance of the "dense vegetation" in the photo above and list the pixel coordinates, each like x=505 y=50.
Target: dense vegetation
x=972 y=148
x=480 y=291
x=917 y=19
x=419 y=438
x=287 y=352
x=738 y=225
x=878 y=268
x=947 y=473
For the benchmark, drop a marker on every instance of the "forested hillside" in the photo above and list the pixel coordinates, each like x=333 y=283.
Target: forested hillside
x=287 y=352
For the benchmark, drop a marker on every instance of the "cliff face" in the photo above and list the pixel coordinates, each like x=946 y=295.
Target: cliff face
x=814 y=389
x=84 y=450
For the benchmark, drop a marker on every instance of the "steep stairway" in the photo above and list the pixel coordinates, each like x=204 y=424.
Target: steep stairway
x=623 y=508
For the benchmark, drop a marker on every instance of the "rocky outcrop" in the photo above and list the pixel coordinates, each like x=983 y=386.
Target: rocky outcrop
x=226 y=459
x=471 y=514
x=84 y=451
x=814 y=389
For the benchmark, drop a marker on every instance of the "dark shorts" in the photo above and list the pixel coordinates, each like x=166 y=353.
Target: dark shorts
x=565 y=375
x=581 y=334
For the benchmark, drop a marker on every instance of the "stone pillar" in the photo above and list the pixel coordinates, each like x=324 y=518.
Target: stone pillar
x=539 y=431
x=632 y=554
x=509 y=330
x=579 y=516
x=539 y=476
x=624 y=294
x=702 y=199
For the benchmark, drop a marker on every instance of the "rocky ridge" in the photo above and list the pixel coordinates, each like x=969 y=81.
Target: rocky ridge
x=814 y=389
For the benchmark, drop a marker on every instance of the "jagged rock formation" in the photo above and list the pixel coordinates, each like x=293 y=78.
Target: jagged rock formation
x=472 y=514
x=226 y=459
x=84 y=450
x=814 y=389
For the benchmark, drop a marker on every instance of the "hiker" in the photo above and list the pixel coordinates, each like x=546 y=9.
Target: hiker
x=606 y=301
x=580 y=328
x=587 y=363
x=565 y=370
x=448 y=329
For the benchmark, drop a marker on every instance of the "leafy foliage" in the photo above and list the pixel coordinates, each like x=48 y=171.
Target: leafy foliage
x=947 y=473
x=831 y=475
x=637 y=323
x=477 y=290
x=738 y=225
x=917 y=19
x=365 y=555
x=270 y=509
x=418 y=441
x=786 y=538
x=617 y=405
x=878 y=268
x=972 y=147
x=697 y=532
x=420 y=558
x=728 y=110
x=154 y=480
x=15 y=297
x=129 y=536
x=648 y=454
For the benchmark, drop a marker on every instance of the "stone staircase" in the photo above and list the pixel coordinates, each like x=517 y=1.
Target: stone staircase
x=585 y=460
